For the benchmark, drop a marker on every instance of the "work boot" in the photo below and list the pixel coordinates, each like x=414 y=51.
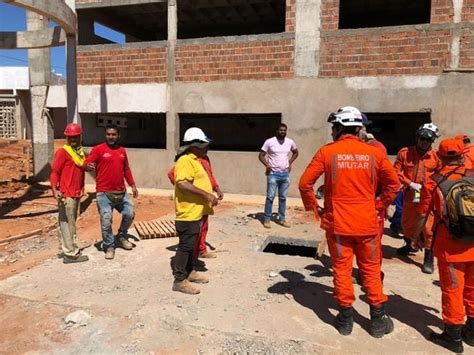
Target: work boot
x=110 y=253
x=406 y=249
x=468 y=332
x=449 y=339
x=428 y=262
x=197 y=278
x=344 y=321
x=122 y=242
x=380 y=322
x=75 y=259
x=208 y=255
x=185 y=287
x=285 y=223
x=266 y=224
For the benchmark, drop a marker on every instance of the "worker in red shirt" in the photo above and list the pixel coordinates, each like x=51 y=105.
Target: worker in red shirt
x=352 y=171
x=67 y=183
x=468 y=150
x=414 y=165
x=455 y=257
x=110 y=162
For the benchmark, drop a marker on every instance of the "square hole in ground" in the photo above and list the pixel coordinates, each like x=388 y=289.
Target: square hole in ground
x=289 y=246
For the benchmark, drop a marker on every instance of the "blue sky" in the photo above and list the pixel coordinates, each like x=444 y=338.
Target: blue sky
x=13 y=18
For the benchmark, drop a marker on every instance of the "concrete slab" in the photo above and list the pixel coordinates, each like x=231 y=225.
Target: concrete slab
x=255 y=302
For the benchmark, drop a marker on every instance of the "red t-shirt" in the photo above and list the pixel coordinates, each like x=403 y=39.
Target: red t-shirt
x=66 y=176
x=111 y=167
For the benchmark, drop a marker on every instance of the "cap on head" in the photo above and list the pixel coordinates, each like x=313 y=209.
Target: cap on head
x=72 y=129
x=347 y=116
x=450 y=147
x=195 y=134
x=428 y=130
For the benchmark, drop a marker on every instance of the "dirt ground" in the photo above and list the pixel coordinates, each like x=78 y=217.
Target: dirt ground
x=255 y=302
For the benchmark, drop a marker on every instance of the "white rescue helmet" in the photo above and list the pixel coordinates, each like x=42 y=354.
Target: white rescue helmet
x=195 y=134
x=348 y=116
x=428 y=130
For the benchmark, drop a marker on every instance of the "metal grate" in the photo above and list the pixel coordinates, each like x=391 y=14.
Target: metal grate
x=8 y=119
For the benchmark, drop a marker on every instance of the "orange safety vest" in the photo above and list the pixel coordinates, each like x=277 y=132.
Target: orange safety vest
x=352 y=169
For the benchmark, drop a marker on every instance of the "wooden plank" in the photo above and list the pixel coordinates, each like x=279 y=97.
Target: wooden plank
x=166 y=227
x=147 y=231
x=141 y=232
x=151 y=228
x=161 y=232
x=173 y=227
x=170 y=228
x=165 y=232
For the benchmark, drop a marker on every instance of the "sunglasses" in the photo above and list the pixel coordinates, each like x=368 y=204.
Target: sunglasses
x=423 y=139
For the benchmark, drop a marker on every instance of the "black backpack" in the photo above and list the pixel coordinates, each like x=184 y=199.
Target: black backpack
x=458 y=204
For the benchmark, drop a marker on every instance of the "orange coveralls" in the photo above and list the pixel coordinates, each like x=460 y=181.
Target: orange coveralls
x=469 y=156
x=352 y=169
x=455 y=258
x=413 y=167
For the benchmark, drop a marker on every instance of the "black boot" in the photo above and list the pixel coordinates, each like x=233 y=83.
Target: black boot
x=344 y=321
x=468 y=332
x=428 y=262
x=380 y=322
x=450 y=338
x=406 y=249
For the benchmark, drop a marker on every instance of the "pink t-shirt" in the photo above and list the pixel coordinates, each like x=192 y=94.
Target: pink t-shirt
x=277 y=153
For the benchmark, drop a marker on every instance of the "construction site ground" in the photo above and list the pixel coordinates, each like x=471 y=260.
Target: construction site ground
x=255 y=302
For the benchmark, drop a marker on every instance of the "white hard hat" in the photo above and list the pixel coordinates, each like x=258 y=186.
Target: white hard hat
x=195 y=134
x=428 y=130
x=347 y=116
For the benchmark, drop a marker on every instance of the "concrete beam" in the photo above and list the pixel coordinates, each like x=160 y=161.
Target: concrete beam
x=114 y=3
x=56 y=10
x=51 y=37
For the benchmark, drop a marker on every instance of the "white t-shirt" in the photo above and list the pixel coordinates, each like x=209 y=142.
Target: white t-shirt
x=277 y=153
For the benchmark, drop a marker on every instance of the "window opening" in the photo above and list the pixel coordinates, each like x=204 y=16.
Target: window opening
x=233 y=132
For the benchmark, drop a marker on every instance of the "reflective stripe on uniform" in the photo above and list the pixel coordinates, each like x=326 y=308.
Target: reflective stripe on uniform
x=338 y=246
x=454 y=279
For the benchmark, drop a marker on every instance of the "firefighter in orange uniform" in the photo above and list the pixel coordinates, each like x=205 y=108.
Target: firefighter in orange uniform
x=352 y=169
x=414 y=165
x=455 y=257
x=468 y=150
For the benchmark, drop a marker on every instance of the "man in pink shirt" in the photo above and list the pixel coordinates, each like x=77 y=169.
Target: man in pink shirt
x=111 y=166
x=274 y=156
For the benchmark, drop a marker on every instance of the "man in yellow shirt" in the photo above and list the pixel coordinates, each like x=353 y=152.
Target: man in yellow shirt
x=193 y=199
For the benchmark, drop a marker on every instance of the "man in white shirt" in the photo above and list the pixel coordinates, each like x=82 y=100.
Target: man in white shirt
x=274 y=156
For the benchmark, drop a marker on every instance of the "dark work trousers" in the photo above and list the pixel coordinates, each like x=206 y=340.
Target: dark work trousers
x=188 y=233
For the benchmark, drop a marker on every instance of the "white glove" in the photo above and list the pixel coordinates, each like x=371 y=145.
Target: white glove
x=415 y=186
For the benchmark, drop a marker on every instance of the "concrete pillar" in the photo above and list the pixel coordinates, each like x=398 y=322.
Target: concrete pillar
x=71 y=80
x=172 y=124
x=307 y=37
x=456 y=39
x=42 y=127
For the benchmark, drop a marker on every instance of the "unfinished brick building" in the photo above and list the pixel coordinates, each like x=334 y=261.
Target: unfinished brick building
x=236 y=68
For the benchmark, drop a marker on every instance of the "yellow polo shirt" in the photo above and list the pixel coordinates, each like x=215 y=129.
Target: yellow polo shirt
x=190 y=207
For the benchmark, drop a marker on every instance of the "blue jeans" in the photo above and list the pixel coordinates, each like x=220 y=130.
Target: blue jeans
x=106 y=209
x=274 y=180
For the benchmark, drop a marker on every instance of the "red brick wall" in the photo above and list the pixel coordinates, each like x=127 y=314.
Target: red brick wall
x=389 y=53
x=264 y=59
x=329 y=15
x=442 y=11
x=468 y=10
x=124 y=65
x=290 y=15
x=467 y=49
